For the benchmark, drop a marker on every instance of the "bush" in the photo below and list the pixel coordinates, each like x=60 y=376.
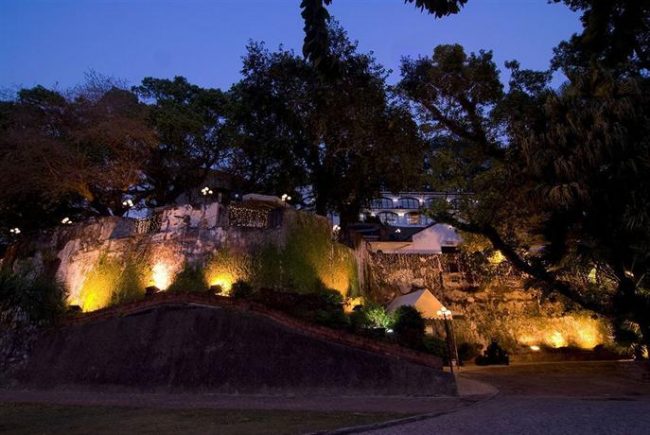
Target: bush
x=324 y=307
x=371 y=316
x=190 y=279
x=130 y=285
x=494 y=354
x=436 y=346
x=43 y=299
x=409 y=327
x=241 y=289
x=468 y=351
x=329 y=311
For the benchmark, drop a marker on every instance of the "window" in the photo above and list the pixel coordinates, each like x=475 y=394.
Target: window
x=382 y=203
x=434 y=200
x=413 y=218
x=409 y=202
x=387 y=218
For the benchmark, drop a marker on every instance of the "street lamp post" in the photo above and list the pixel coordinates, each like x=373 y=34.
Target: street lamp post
x=449 y=332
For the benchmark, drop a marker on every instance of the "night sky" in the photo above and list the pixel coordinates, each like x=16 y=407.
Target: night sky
x=53 y=42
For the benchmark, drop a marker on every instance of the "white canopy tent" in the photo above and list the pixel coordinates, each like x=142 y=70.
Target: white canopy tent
x=422 y=300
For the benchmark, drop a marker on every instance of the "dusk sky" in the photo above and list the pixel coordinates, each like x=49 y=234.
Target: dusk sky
x=52 y=42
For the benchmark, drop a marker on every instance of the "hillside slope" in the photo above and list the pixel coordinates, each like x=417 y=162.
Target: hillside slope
x=221 y=350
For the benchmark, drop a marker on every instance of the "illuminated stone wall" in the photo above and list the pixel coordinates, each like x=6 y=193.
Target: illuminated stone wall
x=113 y=260
x=498 y=307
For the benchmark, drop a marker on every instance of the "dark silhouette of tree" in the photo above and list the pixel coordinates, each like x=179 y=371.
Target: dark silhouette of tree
x=69 y=156
x=188 y=121
x=338 y=141
x=559 y=177
x=317 y=47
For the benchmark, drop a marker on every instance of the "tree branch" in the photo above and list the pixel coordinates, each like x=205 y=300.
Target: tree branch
x=537 y=272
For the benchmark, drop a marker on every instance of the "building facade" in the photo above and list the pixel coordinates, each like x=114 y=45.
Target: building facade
x=406 y=209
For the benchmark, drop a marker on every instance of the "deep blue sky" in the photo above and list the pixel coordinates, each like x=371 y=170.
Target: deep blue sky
x=52 y=42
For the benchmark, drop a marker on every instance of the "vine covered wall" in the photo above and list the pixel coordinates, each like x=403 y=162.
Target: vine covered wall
x=111 y=260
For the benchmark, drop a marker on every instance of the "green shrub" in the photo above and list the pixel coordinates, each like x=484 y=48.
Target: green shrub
x=190 y=279
x=42 y=298
x=409 y=327
x=241 y=289
x=378 y=317
x=371 y=316
x=130 y=286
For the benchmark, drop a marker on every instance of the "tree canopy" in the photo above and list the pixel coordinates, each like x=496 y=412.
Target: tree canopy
x=558 y=176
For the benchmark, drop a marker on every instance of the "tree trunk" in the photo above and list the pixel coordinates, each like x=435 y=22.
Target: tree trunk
x=349 y=213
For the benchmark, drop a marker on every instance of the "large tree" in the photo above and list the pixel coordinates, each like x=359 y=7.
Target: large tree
x=335 y=140
x=559 y=177
x=188 y=121
x=70 y=155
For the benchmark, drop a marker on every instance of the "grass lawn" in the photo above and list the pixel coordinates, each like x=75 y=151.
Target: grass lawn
x=55 y=419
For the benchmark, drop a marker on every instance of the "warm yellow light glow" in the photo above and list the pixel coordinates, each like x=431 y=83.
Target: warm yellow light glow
x=577 y=330
x=534 y=348
x=556 y=339
x=95 y=299
x=161 y=276
x=592 y=276
x=587 y=338
x=223 y=280
x=496 y=258
x=352 y=303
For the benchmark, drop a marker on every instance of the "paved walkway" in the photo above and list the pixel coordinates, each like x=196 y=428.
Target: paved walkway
x=559 y=398
x=536 y=415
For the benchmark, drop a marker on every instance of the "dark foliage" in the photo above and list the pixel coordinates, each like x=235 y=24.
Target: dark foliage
x=316 y=46
x=468 y=351
x=42 y=299
x=323 y=307
x=437 y=346
x=241 y=289
x=494 y=354
x=409 y=327
x=190 y=279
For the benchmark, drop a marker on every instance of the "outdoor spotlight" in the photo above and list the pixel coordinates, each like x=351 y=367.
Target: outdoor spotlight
x=206 y=191
x=66 y=221
x=127 y=203
x=151 y=290
x=15 y=230
x=74 y=309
